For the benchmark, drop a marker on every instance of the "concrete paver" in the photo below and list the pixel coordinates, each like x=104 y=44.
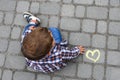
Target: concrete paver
x=113 y=55
x=98 y=41
x=7 y=75
x=80 y=11
x=84 y=70
x=97 y=12
x=80 y=39
x=98 y=72
x=34 y=8
x=102 y=27
x=112 y=42
x=68 y=23
x=68 y=10
x=101 y=2
x=114 y=28
x=49 y=8
x=113 y=73
x=89 y=26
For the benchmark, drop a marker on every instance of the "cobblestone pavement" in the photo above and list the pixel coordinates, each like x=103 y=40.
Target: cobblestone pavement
x=94 y=24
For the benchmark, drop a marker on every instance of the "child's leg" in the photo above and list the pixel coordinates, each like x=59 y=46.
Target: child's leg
x=30 y=18
x=32 y=21
x=28 y=26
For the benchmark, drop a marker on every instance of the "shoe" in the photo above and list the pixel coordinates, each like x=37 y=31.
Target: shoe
x=30 y=17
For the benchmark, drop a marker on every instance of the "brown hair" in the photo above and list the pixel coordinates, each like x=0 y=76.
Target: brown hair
x=37 y=44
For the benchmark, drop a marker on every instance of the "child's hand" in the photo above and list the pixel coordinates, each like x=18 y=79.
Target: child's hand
x=82 y=49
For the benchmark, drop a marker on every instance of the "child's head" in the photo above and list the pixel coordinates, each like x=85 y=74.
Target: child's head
x=37 y=44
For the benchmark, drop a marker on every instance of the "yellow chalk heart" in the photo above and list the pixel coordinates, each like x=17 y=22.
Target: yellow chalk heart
x=93 y=53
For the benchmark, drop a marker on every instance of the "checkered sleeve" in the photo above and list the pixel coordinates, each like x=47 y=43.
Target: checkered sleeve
x=64 y=43
x=70 y=53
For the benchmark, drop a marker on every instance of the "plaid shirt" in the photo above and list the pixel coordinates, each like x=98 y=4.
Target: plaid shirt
x=56 y=60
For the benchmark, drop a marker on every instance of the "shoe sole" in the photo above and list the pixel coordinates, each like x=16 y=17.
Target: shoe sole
x=27 y=13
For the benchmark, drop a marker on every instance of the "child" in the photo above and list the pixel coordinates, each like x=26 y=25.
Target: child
x=43 y=47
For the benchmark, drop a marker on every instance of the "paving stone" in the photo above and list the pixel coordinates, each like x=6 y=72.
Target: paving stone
x=7 y=75
x=113 y=73
x=88 y=2
x=80 y=39
x=14 y=47
x=72 y=79
x=115 y=2
x=119 y=44
x=5 y=31
x=24 y=76
x=1 y=17
x=56 y=78
x=34 y=8
x=7 y=6
x=64 y=35
x=93 y=12
x=89 y=26
x=98 y=41
x=19 y=20
x=68 y=10
x=15 y=34
x=9 y=18
x=101 y=59
x=114 y=14
x=102 y=27
x=71 y=24
x=101 y=2
x=112 y=42
x=15 y=62
x=42 y=0
x=113 y=57
x=114 y=28
x=22 y=6
x=49 y=8
x=44 y=20
x=98 y=73
x=3 y=45
x=80 y=11
x=43 y=77
x=56 y=0
x=67 y=1
x=2 y=59
x=69 y=70
x=53 y=21
x=84 y=71
x=0 y=73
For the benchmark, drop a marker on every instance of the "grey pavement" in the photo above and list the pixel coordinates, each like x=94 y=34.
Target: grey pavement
x=94 y=24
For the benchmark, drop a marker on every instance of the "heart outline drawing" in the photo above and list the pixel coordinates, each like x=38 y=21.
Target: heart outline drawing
x=93 y=53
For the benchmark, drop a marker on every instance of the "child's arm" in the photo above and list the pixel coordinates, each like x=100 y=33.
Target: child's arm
x=72 y=53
